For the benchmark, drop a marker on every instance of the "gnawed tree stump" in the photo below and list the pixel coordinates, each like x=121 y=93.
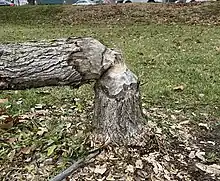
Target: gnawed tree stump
x=75 y=61
x=117 y=105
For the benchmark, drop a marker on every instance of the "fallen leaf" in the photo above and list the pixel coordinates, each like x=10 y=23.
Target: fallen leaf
x=213 y=169
x=27 y=160
x=8 y=123
x=38 y=106
x=11 y=140
x=178 y=88
x=2 y=111
x=166 y=157
x=41 y=131
x=184 y=122
x=173 y=117
x=2 y=101
x=3 y=117
x=204 y=125
x=166 y=174
x=192 y=154
x=110 y=178
x=157 y=167
x=158 y=130
x=211 y=142
x=19 y=102
x=11 y=155
x=48 y=161
x=46 y=92
x=100 y=169
x=25 y=150
x=68 y=125
x=200 y=155
x=8 y=106
x=217 y=49
x=139 y=164
x=201 y=95
x=41 y=112
x=51 y=149
x=130 y=169
x=129 y=178
x=23 y=118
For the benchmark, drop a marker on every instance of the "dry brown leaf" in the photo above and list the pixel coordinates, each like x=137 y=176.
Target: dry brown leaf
x=166 y=157
x=110 y=178
x=42 y=131
x=173 y=117
x=218 y=49
x=11 y=140
x=2 y=111
x=23 y=118
x=48 y=161
x=8 y=123
x=178 y=88
x=129 y=178
x=100 y=169
x=184 y=122
x=166 y=174
x=11 y=155
x=25 y=150
x=213 y=169
x=130 y=169
x=211 y=142
x=3 y=117
x=38 y=106
x=139 y=164
x=2 y=101
x=199 y=154
x=192 y=154
x=204 y=125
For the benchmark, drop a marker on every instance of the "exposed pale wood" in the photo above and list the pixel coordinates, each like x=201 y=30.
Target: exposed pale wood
x=118 y=113
x=75 y=61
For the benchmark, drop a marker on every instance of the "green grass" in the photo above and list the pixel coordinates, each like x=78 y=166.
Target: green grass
x=163 y=55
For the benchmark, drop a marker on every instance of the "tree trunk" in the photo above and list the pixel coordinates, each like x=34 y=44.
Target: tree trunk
x=117 y=105
x=75 y=61
x=70 y=61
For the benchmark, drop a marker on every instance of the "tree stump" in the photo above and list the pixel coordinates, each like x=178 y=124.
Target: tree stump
x=73 y=62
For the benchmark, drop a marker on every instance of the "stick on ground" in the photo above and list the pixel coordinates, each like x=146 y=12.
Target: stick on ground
x=81 y=162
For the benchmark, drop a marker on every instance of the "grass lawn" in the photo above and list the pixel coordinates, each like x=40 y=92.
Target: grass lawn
x=176 y=55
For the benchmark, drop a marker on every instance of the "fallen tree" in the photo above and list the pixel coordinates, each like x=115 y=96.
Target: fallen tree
x=73 y=62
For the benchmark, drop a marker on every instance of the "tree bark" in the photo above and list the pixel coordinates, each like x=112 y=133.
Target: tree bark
x=75 y=61
x=118 y=110
x=71 y=61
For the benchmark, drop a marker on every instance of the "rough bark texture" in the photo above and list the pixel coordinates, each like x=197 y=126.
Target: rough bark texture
x=69 y=61
x=75 y=61
x=117 y=105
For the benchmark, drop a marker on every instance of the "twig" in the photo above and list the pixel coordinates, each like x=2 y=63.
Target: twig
x=67 y=172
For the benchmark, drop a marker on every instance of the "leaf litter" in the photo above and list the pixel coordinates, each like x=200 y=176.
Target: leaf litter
x=48 y=141
x=41 y=143
x=177 y=157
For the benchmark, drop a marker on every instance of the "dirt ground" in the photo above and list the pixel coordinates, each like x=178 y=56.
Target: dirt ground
x=181 y=150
